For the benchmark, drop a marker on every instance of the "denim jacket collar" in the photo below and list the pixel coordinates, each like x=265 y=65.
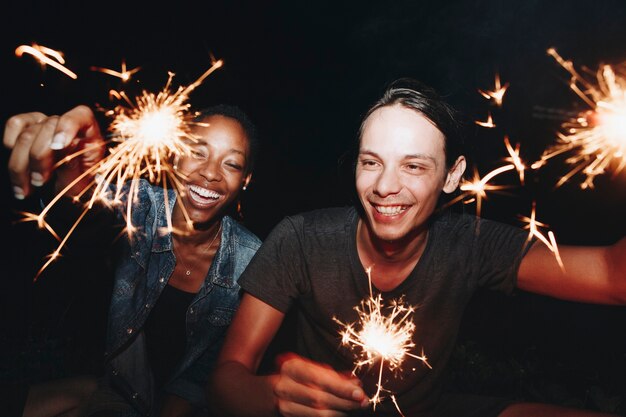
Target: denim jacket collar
x=220 y=272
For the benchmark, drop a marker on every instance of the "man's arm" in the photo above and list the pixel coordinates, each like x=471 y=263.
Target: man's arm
x=300 y=388
x=590 y=274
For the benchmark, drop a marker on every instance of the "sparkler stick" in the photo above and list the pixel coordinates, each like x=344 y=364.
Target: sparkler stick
x=46 y=56
x=596 y=138
x=148 y=135
x=381 y=338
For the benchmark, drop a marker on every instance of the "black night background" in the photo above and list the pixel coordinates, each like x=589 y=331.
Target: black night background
x=306 y=72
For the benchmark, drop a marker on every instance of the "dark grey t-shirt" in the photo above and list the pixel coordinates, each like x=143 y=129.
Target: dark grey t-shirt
x=310 y=262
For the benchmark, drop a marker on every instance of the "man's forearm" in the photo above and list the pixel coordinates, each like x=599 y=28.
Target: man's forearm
x=234 y=391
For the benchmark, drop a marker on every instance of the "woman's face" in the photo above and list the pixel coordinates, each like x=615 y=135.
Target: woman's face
x=217 y=169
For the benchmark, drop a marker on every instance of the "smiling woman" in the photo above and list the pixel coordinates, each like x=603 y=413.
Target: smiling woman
x=175 y=287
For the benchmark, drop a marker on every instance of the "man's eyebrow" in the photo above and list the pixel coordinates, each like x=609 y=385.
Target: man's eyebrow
x=407 y=156
x=368 y=152
x=421 y=156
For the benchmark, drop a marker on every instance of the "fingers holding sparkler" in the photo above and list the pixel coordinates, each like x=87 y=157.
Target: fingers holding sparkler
x=19 y=134
x=36 y=139
x=306 y=388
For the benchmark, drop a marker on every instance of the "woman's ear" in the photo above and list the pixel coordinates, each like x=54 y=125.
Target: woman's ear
x=454 y=175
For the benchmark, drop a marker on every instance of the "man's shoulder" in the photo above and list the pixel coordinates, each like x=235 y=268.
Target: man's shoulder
x=472 y=226
x=324 y=219
x=451 y=219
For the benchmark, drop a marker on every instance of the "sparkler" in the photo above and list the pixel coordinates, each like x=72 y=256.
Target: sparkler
x=381 y=338
x=595 y=137
x=46 y=56
x=148 y=135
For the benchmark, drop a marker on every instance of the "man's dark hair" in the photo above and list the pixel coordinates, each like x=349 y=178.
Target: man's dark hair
x=236 y=113
x=417 y=96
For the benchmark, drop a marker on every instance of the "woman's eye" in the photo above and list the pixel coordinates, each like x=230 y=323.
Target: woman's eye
x=199 y=154
x=235 y=166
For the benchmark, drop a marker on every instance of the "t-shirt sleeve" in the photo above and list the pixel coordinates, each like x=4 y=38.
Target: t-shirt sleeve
x=499 y=251
x=277 y=273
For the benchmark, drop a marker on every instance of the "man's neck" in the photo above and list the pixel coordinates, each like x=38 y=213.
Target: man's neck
x=391 y=261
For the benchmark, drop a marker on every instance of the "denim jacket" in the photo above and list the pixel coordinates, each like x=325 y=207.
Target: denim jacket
x=141 y=275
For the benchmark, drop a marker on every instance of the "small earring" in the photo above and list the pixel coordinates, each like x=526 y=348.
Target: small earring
x=245 y=187
x=175 y=166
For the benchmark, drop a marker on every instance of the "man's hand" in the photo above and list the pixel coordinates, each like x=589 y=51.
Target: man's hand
x=305 y=388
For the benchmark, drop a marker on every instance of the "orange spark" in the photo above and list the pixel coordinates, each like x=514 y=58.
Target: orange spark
x=46 y=56
x=477 y=188
x=489 y=124
x=515 y=159
x=123 y=74
x=497 y=94
x=533 y=228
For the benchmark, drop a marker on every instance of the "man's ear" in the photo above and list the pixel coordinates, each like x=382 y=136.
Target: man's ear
x=454 y=175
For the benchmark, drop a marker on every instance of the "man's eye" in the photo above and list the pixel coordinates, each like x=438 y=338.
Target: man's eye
x=415 y=167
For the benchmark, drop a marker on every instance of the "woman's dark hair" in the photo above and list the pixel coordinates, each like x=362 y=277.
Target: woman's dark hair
x=414 y=95
x=234 y=112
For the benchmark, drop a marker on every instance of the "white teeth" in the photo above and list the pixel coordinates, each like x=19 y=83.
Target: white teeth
x=390 y=210
x=203 y=192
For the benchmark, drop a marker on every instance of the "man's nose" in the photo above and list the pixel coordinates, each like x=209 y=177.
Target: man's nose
x=388 y=182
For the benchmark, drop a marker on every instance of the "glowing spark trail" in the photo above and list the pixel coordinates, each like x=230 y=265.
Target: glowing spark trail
x=515 y=159
x=596 y=138
x=477 y=188
x=497 y=94
x=381 y=338
x=550 y=241
x=46 y=56
x=149 y=135
x=489 y=124
x=124 y=74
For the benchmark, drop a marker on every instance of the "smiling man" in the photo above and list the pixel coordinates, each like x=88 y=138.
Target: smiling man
x=315 y=262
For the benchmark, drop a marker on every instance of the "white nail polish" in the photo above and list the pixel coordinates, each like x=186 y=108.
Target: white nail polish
x=18 y=193
x=36 y=179
x=58 y=141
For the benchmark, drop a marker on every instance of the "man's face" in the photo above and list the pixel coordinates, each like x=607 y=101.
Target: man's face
x=400 y=171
